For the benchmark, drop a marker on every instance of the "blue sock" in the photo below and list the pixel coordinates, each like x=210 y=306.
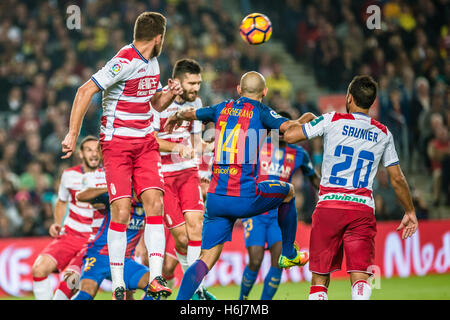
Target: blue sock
x=82 y=295
x=248 y=279
x=287 y=220
x=192 y=279
x=271 y=283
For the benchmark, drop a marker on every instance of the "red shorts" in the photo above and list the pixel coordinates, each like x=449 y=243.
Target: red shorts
x=64 y=249
x=131 y=164
x=182 y=194
x=335 y=231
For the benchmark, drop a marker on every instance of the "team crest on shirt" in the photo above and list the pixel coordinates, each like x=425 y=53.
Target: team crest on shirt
x=289 y=157
x=139 y=211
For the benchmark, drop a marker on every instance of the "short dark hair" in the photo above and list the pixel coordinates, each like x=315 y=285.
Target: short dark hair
x=364 y=91
x=86 y=139
x=184 y=66
x=148 y=25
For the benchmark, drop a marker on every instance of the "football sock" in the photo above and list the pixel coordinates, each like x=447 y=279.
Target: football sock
x=82 y=295
x=318 y=292
x=193 y=251
x=271 y=283
x=155 y=241
x=117 y=245
x=182 y=259
x=63 y=292
x=287 y=220
x=192 y=279
x=248 y=279
x=42 y=288
x=361 y=290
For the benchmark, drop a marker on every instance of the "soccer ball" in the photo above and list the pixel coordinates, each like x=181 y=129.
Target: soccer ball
x=256 y=28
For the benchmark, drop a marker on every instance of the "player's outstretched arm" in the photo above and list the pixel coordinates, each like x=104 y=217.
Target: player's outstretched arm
x=292 y=130
x=89 y=194
x=167 y=146
x=177 y=118
x=80 y=105
x=161 y=100
x=409 y=223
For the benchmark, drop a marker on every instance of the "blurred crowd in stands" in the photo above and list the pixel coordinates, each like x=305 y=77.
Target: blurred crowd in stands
x=43 y=62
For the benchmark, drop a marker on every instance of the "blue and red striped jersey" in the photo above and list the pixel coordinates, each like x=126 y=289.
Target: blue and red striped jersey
x=280 y=163
x=135 y=229
x=241 y=127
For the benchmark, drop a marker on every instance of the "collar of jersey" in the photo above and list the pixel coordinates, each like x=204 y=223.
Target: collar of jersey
x=363 y=114
x=140 y=55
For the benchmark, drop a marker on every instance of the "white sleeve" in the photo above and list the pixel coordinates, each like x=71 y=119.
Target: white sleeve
x=197 y=124
x=63 y=192
x=318 y=126
x=156 y=123
x=390 y=157
x=114 y=71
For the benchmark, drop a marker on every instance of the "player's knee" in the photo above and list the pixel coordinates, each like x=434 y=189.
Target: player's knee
x=291 y=193
x=254 y=264
x=41 y=267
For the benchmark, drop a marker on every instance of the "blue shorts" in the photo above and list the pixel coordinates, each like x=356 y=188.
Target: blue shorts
x=223 y=211
x=262 y=229
x=96 y=267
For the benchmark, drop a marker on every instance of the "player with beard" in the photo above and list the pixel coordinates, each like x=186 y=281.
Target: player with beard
x=183 y=199
x=71 y=237
x=130 y=82
x=344 y=219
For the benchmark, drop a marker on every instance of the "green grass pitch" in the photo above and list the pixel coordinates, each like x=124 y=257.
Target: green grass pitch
x=430 y=287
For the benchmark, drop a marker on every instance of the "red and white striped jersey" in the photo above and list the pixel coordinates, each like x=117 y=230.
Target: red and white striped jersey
x=128 y=82
x=354 y=144
x=205 y=165
x=95 y=179
x=79 y=220
x=171 y=161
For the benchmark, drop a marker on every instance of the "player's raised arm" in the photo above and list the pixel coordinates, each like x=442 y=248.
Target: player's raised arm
x=161 y=100
x=409 y=223
x=80 y=105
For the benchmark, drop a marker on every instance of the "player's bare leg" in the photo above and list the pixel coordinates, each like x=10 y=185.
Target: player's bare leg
x=88 y=290
x=319 y=286
x=42 y=267
x=255 y=258
x=195 y=274
x=361 y=289
x=179 y=234
x=169 y=266
x=287 y=219
x=117 y=244
x=155 y=241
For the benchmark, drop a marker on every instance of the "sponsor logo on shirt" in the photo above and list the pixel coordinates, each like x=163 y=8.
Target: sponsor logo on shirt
x=115 y=69
x=231 y=171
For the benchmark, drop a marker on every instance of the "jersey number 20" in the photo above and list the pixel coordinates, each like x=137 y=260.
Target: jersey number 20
x=338 y=167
